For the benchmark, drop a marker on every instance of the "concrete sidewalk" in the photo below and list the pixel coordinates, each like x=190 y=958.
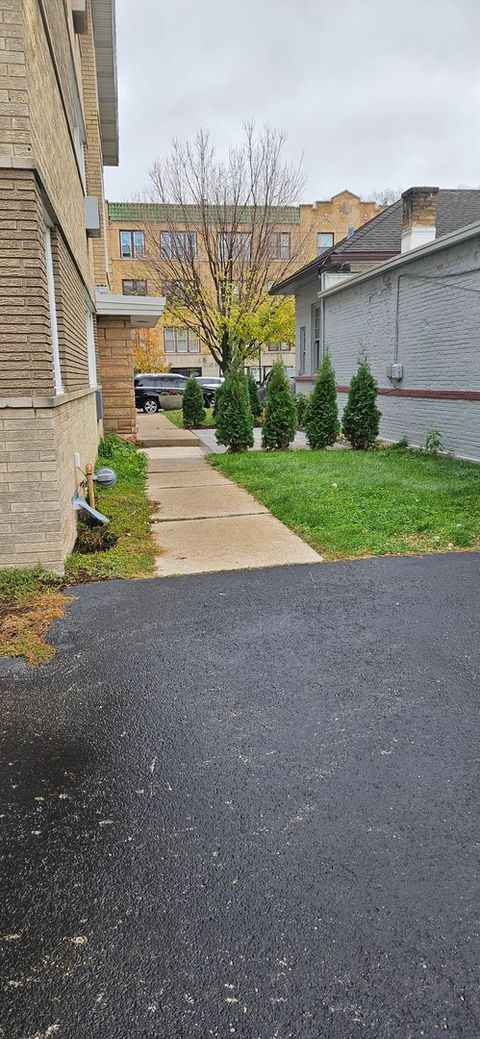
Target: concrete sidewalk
x=158 y=431
x=204 y=522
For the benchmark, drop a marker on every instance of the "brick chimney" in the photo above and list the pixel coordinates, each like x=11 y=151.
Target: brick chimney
x=419 y=217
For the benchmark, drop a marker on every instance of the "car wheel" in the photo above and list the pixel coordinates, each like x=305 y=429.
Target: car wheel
x=150 y=406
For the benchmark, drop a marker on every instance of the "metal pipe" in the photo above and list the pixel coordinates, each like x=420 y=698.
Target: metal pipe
x=90 y=486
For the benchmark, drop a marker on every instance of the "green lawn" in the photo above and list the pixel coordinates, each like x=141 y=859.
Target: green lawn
x=356 y=503
x=129 y=511
x=177 y=418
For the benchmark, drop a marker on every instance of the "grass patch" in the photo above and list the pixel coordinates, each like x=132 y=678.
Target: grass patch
x=349 y=504
x=129 y=510
x=31 y=599
x=177 y=418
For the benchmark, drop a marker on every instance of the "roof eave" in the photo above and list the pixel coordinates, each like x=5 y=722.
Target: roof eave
x=462 y=234
x=104 y=36
x=140 y=311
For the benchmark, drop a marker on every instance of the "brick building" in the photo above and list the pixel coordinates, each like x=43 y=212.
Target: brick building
x=305 y=231
x=63 y=334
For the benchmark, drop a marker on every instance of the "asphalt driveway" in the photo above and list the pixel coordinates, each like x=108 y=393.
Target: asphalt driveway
x=247 y=804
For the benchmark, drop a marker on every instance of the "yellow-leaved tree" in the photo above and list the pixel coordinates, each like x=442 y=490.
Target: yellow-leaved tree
x=147 y=353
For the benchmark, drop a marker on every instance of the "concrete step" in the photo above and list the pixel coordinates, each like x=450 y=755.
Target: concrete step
x=170 y=440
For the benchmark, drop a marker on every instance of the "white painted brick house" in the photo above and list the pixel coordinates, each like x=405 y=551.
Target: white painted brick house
x=420 y=309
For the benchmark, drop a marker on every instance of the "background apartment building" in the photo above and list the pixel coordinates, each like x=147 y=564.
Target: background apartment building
x=303 y=232
x=62 y=333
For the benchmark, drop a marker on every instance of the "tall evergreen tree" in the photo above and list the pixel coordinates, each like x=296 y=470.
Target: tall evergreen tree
x=255 y=406
x=321 y=423
x=280 y=419
x=361 y=417
x=192 y=405
x=234 y=417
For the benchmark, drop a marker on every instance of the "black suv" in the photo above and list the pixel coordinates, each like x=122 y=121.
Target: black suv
x=209 y=384
x=150 y=388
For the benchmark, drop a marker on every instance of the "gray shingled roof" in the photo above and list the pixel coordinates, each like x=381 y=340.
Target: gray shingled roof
x=382 y=234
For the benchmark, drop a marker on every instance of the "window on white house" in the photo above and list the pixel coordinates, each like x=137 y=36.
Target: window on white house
x=324 y=241
x=57 y=375
x=234 y=245
x=132 y=244
x=316 y=335
x=279 y=245
x=134 y=287
x=302 y=350
x=92 y=360
x=181 y=340
x=278 y=347
x=178 y=245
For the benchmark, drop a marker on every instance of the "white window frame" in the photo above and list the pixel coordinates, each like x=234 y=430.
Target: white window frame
x=302 y=349
x=322 y=248
x=279 y=245
x=52 y=306
x=79 y=135
x=234 y=245
x=135 y=253
x=171 y=336
x=91 y=355
x=178 y=245
x=317 y=352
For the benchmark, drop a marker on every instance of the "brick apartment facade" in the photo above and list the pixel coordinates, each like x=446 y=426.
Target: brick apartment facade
x=58 y=129
x=307 y=228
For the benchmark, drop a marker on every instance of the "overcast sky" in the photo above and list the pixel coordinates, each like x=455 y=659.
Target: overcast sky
x=372 y=93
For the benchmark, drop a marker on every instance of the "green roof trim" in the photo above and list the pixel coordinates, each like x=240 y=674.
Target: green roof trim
x=138 y=212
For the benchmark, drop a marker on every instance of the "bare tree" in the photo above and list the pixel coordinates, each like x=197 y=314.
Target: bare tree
x=383 y=196
x=223 y=224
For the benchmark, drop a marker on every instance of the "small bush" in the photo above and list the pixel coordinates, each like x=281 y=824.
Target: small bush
x=280 y=418
x=433 y=441
x=400 y=445
x=232 y=408
x=302 y=402
x=217 y=399
x=255 y=406
x=193 y=410
x=361 y=417
x=321 y=424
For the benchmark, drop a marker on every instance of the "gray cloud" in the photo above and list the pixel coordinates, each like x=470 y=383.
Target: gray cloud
x=372 y=93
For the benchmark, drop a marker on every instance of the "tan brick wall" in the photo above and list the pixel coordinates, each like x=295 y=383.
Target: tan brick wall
x=71 y=317
x=15 y=135
x=115 y=354
x=335 y=215
x=25 y=346
x=37 y=480
x=94 y=152
x=51 y=132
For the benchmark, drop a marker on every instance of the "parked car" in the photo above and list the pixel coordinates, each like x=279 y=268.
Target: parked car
x=209 y=384
x=150 y=387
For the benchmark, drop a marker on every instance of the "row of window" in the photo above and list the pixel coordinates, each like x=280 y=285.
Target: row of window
x=178 y=245
x=185 y=340
x=181 y=245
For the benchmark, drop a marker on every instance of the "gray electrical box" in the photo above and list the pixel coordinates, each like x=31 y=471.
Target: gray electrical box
x=395 y=371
